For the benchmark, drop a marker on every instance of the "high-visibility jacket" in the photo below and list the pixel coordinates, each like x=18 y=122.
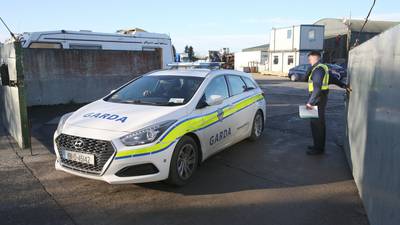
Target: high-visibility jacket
x=325 y=80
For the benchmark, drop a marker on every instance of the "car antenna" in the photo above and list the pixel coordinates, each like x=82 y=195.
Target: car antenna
x=11 y=33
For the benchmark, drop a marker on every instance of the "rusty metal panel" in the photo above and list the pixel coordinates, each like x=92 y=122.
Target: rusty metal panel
x=59 y=76
x=373 y=125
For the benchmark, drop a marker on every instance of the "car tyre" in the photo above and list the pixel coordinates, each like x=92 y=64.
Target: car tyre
x=258 y=126
x=184 y=161
x=294 y=77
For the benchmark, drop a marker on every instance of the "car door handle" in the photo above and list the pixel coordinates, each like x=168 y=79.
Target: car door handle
x=220 y=114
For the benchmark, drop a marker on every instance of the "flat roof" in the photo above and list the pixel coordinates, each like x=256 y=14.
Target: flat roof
x=264 y=47
x=334 y=27
x=99 y=34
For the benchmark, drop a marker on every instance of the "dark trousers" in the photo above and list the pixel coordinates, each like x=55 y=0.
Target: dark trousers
x=318 y=125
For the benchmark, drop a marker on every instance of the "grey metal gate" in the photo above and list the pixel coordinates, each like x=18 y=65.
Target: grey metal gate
x=373 y=121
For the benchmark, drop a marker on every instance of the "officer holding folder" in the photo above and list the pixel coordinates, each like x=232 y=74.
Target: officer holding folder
x=318 y=87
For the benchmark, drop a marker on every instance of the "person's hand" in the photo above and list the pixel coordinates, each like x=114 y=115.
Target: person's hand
x=348 y=89
x=309 y=106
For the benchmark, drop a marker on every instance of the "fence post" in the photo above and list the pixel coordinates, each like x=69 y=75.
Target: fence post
x=25 y=130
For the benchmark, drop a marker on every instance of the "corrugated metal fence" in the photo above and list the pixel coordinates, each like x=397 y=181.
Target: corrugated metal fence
x=61 y=76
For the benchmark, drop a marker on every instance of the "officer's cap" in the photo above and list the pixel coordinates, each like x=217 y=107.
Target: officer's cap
x=316 y=53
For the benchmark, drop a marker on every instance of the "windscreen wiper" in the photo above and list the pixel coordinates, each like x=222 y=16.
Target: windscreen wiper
x=138 y=101
x=169 y=103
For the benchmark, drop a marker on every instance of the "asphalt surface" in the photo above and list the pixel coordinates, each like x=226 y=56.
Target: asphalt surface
x=271 y=181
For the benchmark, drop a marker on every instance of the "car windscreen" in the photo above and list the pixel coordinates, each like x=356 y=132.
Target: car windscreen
x=157 y=90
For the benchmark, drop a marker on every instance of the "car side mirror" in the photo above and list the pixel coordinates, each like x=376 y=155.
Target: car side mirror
x=249 y=88
x=214 y=100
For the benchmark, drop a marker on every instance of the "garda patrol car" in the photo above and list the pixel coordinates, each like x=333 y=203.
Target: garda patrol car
x=160 y=126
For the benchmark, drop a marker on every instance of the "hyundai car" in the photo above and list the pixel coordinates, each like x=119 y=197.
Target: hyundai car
x=160 y=126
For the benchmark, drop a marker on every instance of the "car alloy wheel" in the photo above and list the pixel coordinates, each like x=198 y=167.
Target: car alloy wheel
x=186 y=162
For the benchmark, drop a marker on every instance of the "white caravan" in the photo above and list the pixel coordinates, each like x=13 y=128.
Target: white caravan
x=131 y=40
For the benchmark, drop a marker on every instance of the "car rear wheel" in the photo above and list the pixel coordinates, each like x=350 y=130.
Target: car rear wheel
x=184 y=161
x=258 y=126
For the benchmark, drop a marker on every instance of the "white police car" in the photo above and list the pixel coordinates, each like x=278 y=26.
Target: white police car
x=160 y=126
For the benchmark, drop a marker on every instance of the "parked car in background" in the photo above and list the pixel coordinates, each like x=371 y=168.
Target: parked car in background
x=338 y=70
x=299 y=73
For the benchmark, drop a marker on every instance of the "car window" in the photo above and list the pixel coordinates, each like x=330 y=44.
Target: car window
x=335 y=67
x=217 y=87
x=157 y=90
x=306 y=67
x=236 y=85
x=249 y=83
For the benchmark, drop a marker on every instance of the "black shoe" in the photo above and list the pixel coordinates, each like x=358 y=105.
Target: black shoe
x=315 y=152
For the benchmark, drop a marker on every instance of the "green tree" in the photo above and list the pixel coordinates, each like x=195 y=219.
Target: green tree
x=174 y=52
x=191 y=54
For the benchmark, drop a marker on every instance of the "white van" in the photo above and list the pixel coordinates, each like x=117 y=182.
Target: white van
x=129 y=40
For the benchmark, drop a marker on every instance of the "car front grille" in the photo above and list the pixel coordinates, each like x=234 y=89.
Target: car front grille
x=102 y=151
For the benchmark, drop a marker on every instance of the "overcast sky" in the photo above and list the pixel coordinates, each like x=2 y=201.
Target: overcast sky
x=203 y=24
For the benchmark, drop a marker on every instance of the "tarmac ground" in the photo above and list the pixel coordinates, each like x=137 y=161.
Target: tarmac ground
x=271 y=181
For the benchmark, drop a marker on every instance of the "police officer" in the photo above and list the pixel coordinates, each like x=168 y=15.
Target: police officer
x=318 y=87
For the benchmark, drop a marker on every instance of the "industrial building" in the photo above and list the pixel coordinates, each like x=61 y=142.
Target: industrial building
x=289 y=45
x=336 y=44
x=253 y=59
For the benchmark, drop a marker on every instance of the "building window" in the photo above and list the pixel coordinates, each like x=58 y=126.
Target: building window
x=264 y=57
x=289 y=34
x=276 y=59
x=311 y=35
x=290 y=60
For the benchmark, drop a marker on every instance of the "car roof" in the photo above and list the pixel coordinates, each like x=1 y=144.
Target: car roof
x=195 y=72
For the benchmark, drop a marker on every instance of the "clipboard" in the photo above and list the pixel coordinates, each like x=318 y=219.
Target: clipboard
x=304 y=113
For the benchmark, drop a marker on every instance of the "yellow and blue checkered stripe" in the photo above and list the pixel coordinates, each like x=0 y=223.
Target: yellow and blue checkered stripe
x=189 y=125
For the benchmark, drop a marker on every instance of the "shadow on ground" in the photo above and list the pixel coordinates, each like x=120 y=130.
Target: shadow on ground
x=276 y=160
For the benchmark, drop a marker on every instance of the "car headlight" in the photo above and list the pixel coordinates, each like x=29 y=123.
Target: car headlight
x=62 y=122
x=147 y=134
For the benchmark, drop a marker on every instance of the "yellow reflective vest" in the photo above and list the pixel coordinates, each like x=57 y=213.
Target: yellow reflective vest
x=325 y=81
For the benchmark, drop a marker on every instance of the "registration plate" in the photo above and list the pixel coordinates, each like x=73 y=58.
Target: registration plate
x=79 y=157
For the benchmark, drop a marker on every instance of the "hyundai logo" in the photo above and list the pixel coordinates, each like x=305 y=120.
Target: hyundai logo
x=78 y=144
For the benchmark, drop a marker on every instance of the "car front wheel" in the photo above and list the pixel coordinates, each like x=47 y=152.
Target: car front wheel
x=184 y=161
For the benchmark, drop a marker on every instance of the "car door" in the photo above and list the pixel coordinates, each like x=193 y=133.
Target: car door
x=216 y=132
x=240 y=119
